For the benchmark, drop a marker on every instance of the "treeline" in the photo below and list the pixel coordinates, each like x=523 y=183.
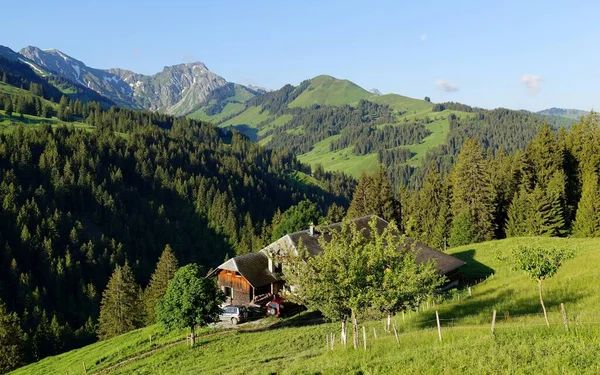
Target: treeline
x=75 y=204
x=495 y=130
x=368 y=138
x=320 y=122
x=549 y=189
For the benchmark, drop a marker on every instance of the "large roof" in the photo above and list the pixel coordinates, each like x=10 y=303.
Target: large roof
x=444 y=263
x=254 y=267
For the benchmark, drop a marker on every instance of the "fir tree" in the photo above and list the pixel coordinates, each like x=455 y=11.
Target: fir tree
x=119 y=308
x=472 y=193
x=374 y=196
x=431 y=197
x=464 y=230
x=12 y=341
x=164 y=272
x=587 y=221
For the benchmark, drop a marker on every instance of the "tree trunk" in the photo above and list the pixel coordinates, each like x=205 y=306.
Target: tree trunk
x=354 y=330
x=542 y=302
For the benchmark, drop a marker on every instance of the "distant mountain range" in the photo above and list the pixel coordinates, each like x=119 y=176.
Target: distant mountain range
x=180 y=89
x=324 y=120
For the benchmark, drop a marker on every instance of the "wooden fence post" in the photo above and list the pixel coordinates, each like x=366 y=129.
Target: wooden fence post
x=332 y=340
x=564 y=316
x=470 y=292
x=403 y=316
x=84 y=368
x=327 y=341
x=437 y=318
x=396 y=334
x=374 y=333
x=493 y=322
x=365 y=337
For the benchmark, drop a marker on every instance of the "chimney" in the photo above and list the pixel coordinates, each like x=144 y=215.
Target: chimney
x=311 y=229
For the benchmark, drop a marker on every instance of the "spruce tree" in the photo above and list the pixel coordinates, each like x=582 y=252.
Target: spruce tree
x=165 y=271
x=12 y=341
x=587 y=220
x=472 y=193
x=374 y=196
x=361 y=204
x=120 y=305
x=430 y=202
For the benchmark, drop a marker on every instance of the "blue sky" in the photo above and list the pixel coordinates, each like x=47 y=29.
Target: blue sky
x=515 y=54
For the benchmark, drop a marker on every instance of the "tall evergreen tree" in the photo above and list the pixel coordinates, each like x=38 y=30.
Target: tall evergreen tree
x=431 y=198
x=587 y=221
x=165 y=271
x=472 y=193
x=543 y=187
x=12 y=341
x=374 y=196
x=120 y=306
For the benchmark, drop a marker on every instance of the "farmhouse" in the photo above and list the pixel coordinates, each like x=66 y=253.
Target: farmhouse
x=253 y=277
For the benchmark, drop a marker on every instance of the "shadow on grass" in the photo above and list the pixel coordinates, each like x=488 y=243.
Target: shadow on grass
x=306 y=318
x=482 y=306
x=473 y=270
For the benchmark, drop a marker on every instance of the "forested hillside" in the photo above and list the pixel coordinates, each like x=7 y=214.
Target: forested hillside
x=76 y=203
x=548 y=189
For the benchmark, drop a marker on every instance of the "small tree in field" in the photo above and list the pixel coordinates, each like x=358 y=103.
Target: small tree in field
x=540 y=264
x=191 y=300
x=355 y=273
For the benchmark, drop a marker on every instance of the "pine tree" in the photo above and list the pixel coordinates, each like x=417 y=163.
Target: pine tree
x=464 y=230
x=472 y=193
x=335 y=213
x=164 y=272
x=516 y=223
x=430 y=201
x=441 y=231
x=587 y=220
x=374 y=196
x=12 y=341
x=119 y=308
x=8 y=107
x=361 y=200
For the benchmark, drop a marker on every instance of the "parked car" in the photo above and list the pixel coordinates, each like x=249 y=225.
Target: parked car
x=234 y=314
x=280 y=308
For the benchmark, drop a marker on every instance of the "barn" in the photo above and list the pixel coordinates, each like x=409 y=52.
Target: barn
x=250 y=278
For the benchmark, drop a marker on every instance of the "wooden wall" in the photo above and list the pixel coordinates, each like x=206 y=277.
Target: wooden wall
x=242 y=290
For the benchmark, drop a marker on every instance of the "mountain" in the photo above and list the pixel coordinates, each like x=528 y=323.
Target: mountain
x=342 y=127
x=574 y=114
x=18 y=72
x=179 y=90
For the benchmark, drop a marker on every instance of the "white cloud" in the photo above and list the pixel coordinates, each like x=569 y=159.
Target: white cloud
x=423 y=36
x=532 y=82
x=446 y=86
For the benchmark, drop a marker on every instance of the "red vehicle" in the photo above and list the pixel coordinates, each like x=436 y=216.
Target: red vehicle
x=280 y=308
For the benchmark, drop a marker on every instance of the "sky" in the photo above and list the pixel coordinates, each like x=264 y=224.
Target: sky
x=515 y=54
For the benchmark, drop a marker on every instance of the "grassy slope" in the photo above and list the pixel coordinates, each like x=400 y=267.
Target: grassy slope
x=9 y=123
x=326 y=90
x=522 y=344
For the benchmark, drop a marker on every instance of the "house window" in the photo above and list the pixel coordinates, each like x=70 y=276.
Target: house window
x=228 y=291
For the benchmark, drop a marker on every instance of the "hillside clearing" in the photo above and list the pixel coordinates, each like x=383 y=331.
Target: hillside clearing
x=521 y=343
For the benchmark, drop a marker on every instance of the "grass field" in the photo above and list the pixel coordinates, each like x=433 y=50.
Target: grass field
x=229 y=109
x=326 y=90
x=521 y=344
x=9 y=123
